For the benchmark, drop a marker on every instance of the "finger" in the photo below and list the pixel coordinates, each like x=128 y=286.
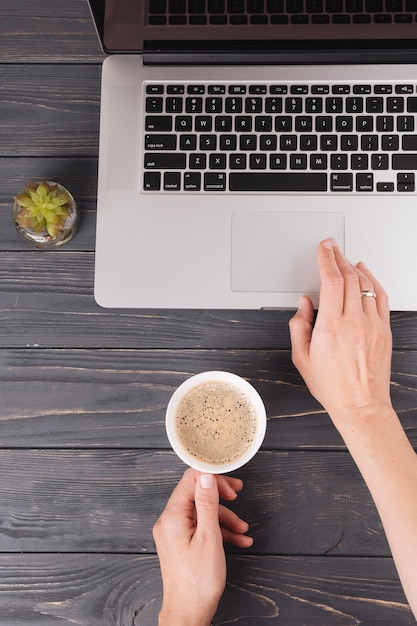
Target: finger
x=332 y=291
x=228 y=487
x=229 y=519
x=234 y=528
x=236 y=539
x=382 y=301
x=301 y=328
x=352 y=284
x=207 y=506
x=367 y=291
x=183 y=494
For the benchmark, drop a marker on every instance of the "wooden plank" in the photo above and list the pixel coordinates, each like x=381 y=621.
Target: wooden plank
x=26 y=9
x=117 y=398
x=78 y=174
x=104 y=590
x=296 y=502
x=60 y=118
x=45 y=32
x=46 y=299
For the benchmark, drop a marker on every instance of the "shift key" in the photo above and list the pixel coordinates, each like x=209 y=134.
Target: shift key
x=404 y=162
x=163 y=161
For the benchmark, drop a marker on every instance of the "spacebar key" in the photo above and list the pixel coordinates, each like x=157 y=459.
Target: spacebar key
x=277 y=181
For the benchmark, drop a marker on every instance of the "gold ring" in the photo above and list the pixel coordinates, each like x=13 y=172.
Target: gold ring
x=368 y=294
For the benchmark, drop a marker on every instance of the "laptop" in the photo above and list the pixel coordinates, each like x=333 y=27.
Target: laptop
x=237 y=134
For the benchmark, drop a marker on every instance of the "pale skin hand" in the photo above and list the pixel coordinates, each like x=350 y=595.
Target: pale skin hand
x=189 y=538
x=345 y=360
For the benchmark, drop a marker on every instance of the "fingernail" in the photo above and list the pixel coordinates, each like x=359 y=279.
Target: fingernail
x=363 y=265
x=207 y=481
x=330 y=243
x=301 y=303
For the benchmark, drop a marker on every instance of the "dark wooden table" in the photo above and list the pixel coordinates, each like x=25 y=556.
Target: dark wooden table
x=85 y=466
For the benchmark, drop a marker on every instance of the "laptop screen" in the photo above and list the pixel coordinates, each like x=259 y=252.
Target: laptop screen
x=298 y=30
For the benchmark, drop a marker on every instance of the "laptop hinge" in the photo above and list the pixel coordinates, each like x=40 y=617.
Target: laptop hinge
x=280 y=57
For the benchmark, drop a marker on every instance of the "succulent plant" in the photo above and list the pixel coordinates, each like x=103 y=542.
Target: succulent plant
x=43 y=207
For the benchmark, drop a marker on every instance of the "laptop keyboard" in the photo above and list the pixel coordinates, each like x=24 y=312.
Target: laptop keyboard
x=250 y=137
x=251 y=12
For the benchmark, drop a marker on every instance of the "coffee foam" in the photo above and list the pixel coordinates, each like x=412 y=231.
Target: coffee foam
x=216 y=422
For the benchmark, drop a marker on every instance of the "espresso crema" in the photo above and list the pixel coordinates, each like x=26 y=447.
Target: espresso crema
x=216 y=422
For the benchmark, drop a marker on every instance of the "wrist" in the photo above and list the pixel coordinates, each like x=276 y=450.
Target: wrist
x=372 y=431
x=363 y=420
x=169 y=617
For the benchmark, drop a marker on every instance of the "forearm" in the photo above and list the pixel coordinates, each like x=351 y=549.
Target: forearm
x=388 y=464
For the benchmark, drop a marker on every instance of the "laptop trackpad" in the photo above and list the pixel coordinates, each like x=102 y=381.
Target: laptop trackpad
x=277 y=251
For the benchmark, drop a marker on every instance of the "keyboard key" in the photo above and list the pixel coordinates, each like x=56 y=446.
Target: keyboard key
x=338 y=161
x=257 y=161
x=188 y=142
x=314 y=105
x=298 y=161
x=152 y=181
x=208 y=142
x=385 y=187
x=359 y=162
x=194 y=105
x=158 y=123
x=334 y=105
x=217 y=161
x=405 y=123
x=395 y=105
x=405 y=162
x=341 y=182
x=192 y=181
x=412 y=105
x=197 y=161
x=215 y=181
x=374 y=105
x=364 y=182
x=409 y=142
x=318 y=161
x=404 y=89
x=237 y=161
x=167 y=161
x=379 y=161
x=385 y=123
x=160 y=142
x=154 y=105
x=172 y=181
x=155 y=89
x=278 y=161
x=390 y=142
x=277 y=181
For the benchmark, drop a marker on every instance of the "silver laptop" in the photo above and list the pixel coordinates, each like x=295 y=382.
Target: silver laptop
x=236 y=134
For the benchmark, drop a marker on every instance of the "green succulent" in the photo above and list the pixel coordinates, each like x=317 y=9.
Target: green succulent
x=43 y=207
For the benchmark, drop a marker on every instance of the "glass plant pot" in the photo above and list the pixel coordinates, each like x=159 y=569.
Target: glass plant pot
x=46 y=214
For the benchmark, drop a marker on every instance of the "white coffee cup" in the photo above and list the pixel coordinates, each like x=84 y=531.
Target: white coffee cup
x=240 y=430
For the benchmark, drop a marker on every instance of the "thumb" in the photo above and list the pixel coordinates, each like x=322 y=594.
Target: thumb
x=301 y=328
x=207 y=504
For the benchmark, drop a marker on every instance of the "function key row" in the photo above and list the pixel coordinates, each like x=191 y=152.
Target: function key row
x=289 y=104
x=297 y=89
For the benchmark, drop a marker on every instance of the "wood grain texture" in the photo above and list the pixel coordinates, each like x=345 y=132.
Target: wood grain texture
x=125 y=590
x=47 y=300
x=60 y=118
x=117 y=398
x=47 y=32
x=297 y=503
x=84 y=460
